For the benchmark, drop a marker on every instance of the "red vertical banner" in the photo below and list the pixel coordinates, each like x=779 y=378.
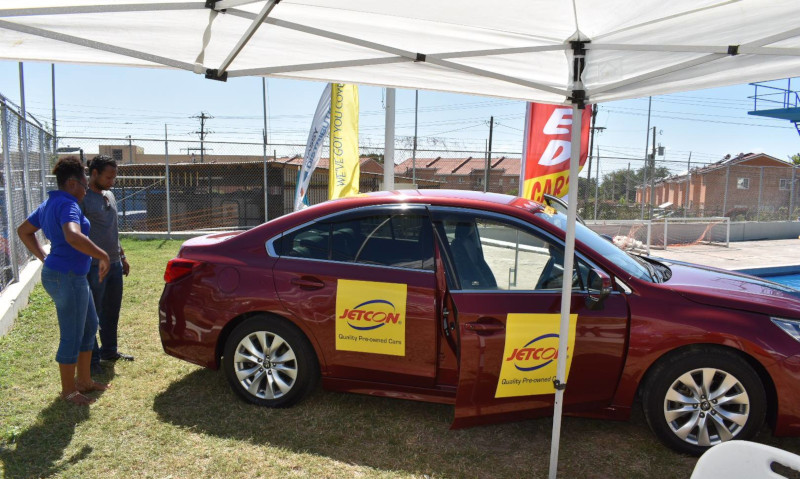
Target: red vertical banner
x=546 y=152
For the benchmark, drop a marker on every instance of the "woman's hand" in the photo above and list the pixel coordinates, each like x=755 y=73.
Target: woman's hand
x=102 y=268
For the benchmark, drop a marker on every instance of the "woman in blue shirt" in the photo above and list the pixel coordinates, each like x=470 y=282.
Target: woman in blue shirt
x=64 y=275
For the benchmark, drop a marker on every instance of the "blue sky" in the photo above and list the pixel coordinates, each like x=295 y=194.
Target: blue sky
x=101 y=101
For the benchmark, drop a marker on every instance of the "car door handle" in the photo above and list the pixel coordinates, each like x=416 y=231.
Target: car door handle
x=308 y=283
x=486 y=328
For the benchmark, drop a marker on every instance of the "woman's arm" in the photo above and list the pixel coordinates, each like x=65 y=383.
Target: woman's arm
x=82 y=243
x=27 y=233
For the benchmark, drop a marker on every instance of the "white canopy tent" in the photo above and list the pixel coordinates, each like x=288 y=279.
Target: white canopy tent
x=553 y=51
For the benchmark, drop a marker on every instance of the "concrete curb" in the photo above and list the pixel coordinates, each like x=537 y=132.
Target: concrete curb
x=15 y=296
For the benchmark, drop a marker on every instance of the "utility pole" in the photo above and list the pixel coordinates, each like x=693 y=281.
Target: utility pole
x=646 y=146
x=653 y=174
x=414 y=150
x=627 y=184
x=597 y=183
x=266 y=141
x=488 y=156
x=203 y=133
x=688 y=183
x=53 y=88
x=592 y=129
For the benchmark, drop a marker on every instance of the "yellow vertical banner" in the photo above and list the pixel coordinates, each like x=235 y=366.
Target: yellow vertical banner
x=344 y=167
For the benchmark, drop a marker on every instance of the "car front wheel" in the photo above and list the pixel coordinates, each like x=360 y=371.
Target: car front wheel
x=269 y=362
x=698 y=399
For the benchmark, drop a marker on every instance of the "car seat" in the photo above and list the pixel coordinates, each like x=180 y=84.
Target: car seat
x=471 y=268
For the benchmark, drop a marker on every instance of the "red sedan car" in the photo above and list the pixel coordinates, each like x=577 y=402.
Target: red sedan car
x=454 y=297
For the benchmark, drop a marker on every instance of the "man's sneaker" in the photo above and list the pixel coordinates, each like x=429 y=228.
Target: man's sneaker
x=117 y=357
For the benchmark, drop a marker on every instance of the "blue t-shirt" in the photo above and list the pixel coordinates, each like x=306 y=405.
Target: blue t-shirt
x=61 y=208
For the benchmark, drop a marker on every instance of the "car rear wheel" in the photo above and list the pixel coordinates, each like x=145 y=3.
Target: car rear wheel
x=699 y=399
x=269 y=362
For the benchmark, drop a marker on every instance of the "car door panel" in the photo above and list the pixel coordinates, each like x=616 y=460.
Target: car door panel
x=350 y=304
x=596 y=363
x=513 y=259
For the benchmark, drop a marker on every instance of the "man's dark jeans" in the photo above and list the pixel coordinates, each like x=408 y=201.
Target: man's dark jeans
x=107 y=301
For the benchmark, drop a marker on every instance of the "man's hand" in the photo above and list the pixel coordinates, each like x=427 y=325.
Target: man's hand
x=126 y=268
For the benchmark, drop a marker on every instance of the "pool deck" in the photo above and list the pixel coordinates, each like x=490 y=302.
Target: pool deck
x=755 y=257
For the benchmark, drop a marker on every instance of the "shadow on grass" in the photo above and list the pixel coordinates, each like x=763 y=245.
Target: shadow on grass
x=399 y=435
x=38 y=451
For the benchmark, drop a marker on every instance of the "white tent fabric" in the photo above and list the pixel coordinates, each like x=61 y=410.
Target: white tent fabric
x=521 y=49
x=512 y=48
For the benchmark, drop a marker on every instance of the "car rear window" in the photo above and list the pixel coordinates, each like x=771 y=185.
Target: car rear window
x=400 y=240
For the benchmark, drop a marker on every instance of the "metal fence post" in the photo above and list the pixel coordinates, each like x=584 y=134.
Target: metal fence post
x=266 y=188
x=760 y=189
x=26 y=177
x=649 y=232
x=9 y=197
x=43 y=164
x=725 y=198
x=166 y=180
x=791 y=195
x=666 y=221
x=728 y=233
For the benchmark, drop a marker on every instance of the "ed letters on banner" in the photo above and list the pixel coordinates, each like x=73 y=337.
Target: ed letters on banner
x=547 y=149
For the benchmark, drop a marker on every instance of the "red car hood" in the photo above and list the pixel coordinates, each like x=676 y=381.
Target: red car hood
x=726 y=289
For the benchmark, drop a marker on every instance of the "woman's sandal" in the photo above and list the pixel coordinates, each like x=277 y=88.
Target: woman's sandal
x=94 y=387
x=75 y=397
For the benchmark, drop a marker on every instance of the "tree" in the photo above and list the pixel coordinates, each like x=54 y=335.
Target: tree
x=795 y=159
x=619 y=185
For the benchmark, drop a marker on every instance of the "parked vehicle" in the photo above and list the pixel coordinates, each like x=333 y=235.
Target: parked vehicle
x=454 y=297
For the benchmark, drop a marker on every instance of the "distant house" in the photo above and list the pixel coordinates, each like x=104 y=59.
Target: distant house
x=464 y=173
x=732 y=186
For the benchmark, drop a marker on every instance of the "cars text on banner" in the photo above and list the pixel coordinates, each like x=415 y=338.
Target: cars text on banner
x=316 y=137
x=344 y=166
x=546 y=151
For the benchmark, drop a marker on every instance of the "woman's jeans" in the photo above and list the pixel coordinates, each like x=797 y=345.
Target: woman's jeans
x=77 y=319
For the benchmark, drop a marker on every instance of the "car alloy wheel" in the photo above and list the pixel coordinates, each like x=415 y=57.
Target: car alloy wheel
x=268 y=361
x=265 y=365
x=706 y=406
x=701 y=396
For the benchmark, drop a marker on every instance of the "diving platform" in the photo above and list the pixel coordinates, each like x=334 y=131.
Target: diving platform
x=771 y=101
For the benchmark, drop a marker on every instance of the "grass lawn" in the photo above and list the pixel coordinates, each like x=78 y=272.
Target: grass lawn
x=165 y=418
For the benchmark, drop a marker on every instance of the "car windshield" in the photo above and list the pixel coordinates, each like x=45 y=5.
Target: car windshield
x=602 y=246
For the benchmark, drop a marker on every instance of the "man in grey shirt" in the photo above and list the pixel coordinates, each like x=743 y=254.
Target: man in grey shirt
x=100 y=207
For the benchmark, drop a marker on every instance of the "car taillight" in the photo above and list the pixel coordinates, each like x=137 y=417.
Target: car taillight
x=177 y=268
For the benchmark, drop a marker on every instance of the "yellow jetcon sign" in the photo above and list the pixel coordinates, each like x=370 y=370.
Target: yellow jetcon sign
x=530 y=354
x=371 y=317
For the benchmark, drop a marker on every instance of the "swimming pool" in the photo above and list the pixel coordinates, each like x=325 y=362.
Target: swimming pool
x=792 y=280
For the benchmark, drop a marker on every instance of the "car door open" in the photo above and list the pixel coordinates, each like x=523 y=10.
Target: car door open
x=506 y=298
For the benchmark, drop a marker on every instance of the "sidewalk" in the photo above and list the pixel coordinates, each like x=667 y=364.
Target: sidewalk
x=748 y=255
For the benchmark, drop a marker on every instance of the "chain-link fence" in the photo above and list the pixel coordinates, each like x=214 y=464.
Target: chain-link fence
x=761 y=190
x=179 y=186
x=26 y=155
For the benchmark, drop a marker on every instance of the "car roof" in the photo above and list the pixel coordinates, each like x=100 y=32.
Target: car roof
x=439 y=196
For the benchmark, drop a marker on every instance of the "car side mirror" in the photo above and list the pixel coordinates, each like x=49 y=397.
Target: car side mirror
x=599 y=288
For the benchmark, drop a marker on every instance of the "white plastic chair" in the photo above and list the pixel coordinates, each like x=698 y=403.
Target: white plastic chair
x=745 y=460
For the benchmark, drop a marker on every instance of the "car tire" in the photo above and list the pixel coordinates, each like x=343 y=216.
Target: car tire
x=699 y=398
x=269 y=362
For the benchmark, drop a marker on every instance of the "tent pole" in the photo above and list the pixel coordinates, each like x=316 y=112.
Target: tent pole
x=388 y=147
x=566 y=288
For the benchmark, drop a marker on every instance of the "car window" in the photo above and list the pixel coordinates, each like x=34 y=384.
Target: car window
x=600 y=245
x=402 y=240
x=310 y=242
x=487 y=254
